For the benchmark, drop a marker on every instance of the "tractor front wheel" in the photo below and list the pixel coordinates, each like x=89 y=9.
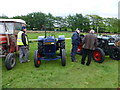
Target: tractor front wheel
x=63 y=57
x=36 y=61
x=62 y=44
x=115 y=53
x=10 y=61
x=98 y=55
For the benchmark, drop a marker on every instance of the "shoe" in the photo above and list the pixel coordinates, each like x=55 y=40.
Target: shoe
x=73 y=60
x=82 y=63
x=28 y=61
x=87 y=64
x=21 y=62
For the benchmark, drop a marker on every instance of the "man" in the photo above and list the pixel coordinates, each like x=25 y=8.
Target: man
x=89 y=44
x=75 y=42
x=22 y=42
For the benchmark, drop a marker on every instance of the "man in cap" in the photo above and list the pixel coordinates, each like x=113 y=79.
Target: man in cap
x=89 y=44
x=22 y=42
x=75 y=42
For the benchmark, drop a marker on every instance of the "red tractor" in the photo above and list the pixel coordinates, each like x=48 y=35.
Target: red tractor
x=8 y=38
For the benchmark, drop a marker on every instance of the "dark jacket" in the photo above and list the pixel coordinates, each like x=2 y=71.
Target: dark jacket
x=90 y=42
x=24 y=39
x=75 y=38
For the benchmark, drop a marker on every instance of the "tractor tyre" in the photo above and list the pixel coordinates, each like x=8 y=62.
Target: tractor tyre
x=79 y=49
x=62 y=44
x=63 y=57
x=40 y=47
x=115 y=53
x=98 y=55
x=10 y=61
x=36 y=61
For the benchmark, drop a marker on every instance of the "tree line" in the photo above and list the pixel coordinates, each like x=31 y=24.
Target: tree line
x=41 y=21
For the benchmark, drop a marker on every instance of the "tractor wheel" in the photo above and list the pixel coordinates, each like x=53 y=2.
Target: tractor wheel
x=62 y=44
x=115 y=53
x=98 y=55
x=63 y=57
x=10 y=61
x=79 y=49
x=40 y=47
x=36 y=61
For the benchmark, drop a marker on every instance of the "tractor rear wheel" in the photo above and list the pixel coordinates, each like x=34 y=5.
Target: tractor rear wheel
x=10 y=61
x=98 y=55
x=36 y=61
x=115 y=53
x=63 y=57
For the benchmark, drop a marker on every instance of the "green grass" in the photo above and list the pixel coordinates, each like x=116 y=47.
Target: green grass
x=52 y=75
x=35 y=35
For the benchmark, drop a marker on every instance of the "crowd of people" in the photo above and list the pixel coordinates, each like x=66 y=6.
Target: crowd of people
x=89 y=44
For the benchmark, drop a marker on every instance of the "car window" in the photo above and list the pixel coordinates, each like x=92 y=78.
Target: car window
x=10 y=28
x=2 y=28
x=18 y=27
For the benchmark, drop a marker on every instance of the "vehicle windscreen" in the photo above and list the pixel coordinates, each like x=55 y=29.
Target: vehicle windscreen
x=18 y=27
x=2 y=28
x=6 y=28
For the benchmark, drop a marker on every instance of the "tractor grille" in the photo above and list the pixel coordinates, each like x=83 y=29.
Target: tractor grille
x=49 y=49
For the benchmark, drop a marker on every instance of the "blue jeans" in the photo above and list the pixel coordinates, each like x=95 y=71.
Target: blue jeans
x=23 y=53
x=73 y=51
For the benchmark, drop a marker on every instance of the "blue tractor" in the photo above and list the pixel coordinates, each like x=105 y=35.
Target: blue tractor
x=47 y=49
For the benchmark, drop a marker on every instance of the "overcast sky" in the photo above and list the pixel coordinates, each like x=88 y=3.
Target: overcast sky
x=104 y=8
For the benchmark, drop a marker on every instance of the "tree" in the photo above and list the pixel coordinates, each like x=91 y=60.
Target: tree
x=96 y=23
x=111 y=24
x=37 y=20
x=50 y=21
x=60 y=22
x=78 y=21
x=4 y=16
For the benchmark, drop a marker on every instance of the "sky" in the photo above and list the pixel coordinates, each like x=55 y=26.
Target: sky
x=103 y=8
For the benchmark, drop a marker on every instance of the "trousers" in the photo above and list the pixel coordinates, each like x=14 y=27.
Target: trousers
x=73 y=51
x=85 y=53
x=23 y=53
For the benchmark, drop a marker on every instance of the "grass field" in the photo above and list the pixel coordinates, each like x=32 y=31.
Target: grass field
x=52 y=75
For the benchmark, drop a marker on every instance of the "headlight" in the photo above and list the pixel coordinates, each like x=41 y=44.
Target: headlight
x=48 y=43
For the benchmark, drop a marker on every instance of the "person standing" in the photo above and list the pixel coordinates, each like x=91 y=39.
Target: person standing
x=89 y=44
x=75 y=42
x=22 y=42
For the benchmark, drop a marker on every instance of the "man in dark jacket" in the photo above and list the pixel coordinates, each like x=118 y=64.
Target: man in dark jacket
x=89 y=44
x=75 y=42
x=22 y=42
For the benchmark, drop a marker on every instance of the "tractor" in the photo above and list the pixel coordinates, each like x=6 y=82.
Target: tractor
x=47 y=49
x=8 y=37
x=106 y=46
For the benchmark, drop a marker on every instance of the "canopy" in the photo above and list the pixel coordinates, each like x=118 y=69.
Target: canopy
x=13 y=20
